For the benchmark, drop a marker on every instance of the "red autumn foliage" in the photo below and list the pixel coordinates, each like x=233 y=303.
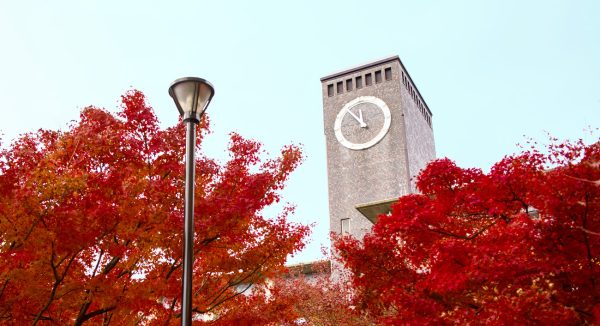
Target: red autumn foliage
x=517 y=245
x=91 y=221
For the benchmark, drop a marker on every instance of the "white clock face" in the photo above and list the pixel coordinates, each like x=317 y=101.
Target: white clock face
x=362 y=122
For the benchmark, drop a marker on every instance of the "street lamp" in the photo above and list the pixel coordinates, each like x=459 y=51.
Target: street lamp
x=192 y=96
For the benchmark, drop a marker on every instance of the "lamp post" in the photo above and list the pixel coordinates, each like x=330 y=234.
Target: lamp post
x=192 y=96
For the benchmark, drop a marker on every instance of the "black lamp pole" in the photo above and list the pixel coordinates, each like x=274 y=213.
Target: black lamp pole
x=192 y=96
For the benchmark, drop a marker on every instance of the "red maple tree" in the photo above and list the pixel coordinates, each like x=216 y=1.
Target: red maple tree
x=517 y=245
x=91 y=221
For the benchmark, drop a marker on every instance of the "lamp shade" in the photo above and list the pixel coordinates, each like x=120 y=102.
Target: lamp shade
x=192 y=96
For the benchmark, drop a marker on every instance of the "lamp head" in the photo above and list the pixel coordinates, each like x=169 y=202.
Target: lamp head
x=192 y=96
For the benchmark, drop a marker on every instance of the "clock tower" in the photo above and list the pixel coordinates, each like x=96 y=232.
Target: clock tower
x=379 y=135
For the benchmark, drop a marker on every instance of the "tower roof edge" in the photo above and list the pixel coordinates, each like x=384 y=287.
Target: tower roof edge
x=360 y=67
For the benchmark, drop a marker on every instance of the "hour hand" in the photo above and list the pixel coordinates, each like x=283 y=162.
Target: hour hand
x=362 y=122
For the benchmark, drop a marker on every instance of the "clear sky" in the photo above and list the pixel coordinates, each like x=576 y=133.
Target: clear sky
x=490 y=71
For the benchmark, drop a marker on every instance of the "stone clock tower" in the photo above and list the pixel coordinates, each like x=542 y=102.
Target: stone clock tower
x=379 y=135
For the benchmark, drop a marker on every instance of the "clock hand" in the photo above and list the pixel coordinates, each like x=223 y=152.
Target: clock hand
x=357 y=118
x=362 y=122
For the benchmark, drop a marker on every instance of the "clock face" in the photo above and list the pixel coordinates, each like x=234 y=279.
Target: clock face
x=362 y=122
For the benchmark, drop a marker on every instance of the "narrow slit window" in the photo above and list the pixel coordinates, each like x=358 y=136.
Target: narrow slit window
x=378 y=76
x=348 y=85
x=330 y=90
x=388 y=73
x=368 y=79
x=345 y=226
x=340 y=87
x=359 y=82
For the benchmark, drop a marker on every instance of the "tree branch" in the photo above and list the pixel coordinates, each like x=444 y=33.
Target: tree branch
x=98 y=262
x=93 y=314
x=4 y=286
x=57 y=280
x=471 y=237
x=111 y=264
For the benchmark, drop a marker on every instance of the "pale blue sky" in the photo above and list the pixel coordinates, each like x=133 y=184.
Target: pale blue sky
x=490 y=71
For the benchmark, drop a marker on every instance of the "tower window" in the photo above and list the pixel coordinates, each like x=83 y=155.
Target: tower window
x=345 y=226
x=330 y=90
x=359 y=82
x=368 y=79
x=340 y=87
x=388 y=73
x=378 y=76
x=348 y=85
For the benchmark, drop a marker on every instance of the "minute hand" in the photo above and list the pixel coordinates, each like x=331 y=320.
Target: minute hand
x=359 y=119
